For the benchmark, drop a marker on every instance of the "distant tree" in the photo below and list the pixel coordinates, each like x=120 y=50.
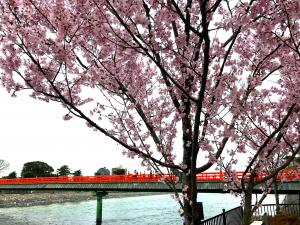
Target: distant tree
x=77 y=173
x=63 y=171
x=103 y=171
x=12 y=175
x=118 y=171
x=36 y=169
x=3 y=165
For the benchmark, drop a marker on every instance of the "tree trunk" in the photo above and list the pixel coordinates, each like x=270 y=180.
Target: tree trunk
x=187 y=213
x=247 y=208
x=191 y=214
x=191 y=217
x=276 y=195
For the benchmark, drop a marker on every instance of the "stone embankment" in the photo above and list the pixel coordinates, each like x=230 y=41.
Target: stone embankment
x=42 y=198
x=46 y=198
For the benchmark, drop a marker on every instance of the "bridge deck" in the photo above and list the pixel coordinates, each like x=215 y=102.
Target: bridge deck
x=209 y=187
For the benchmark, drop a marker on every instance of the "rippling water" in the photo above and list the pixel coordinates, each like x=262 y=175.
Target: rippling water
x=141 y=210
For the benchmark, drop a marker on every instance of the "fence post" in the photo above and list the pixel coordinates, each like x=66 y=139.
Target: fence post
x=224 y=217
x=299 y=203
x=242 y=211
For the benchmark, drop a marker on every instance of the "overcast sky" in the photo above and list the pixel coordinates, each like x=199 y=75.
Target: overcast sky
x=32 y=130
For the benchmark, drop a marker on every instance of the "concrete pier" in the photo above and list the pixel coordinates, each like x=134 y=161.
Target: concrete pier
x=100 y=195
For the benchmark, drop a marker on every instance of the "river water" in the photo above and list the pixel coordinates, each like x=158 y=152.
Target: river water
x=140 y=210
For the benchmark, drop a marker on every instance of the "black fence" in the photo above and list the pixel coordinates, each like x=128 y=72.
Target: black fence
x=270 y=210
x=231 y=217
x=235 y=216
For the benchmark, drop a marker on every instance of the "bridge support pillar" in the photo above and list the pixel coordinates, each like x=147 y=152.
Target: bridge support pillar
x=100 y=195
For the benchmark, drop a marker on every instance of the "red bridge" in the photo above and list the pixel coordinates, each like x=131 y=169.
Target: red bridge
x=207 y=182
x=286 y=175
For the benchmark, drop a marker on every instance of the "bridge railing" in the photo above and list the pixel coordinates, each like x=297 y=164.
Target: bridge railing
x=287 y=175
x=284 y=175
x=91 y=179
x=210 y=176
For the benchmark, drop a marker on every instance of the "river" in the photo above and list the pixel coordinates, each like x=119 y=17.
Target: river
x=140 y=210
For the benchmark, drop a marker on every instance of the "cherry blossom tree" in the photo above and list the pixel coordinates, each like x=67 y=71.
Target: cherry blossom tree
x=222 y=76
x=269 y=177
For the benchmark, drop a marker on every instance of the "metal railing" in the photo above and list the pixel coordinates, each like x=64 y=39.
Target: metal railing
x=235 y=215
x=270 y=210
x=231 y=217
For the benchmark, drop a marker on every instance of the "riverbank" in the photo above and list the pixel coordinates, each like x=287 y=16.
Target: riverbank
x=47 y=198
